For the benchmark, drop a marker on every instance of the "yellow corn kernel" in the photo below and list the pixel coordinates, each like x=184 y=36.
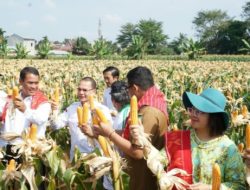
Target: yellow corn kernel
x=216 y=177
x=103 y=143
x=134 y=111
x=244 y=111
x=56 y=94
x=33 y=132
x=11 y=166
x=79 y=115
x=15 y=92
x=234 y=115
x=85 y=113
x=116 y=171
x=91 y=102
x=95 y=120
x=101 y=116
x=248 y=136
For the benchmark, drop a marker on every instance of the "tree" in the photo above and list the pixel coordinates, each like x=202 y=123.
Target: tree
x=44 y=47
x=21 y=51
x=81 y=46
x=208 y=23
x=246 y=48
x=153 y=35
x=127 y=31
x=150 y=30
x=177 y=43
x=137 y=48
x=101 y=48
x=4 y=50
x=228 y=39
x=192 y=48
x=246 y=12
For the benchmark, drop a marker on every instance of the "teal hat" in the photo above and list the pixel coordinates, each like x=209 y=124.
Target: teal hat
x=209 y=101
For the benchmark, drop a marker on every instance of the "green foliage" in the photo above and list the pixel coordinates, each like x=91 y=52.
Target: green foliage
x=152 y=34
x=127 y=31
x=21 y=51
x=4 y=50
x=192 y=48
x=81 y=46
x=246 y=48
x=177 y=43
x=3 y=45
x=44 y=47
x=228 y=38
x=150 y=30
x=208 y=22
x=137 y=48
x=101 y=48
x=246 y=12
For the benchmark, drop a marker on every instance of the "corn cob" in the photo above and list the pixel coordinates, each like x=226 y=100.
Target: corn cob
x=11 y=166
x=216 y=177
x=244 y=111
x=134 y=111
x=234 y=115
x=56 y=95
x=248 y=136
x=33 y=132
x=85 y=113
x=241 y=147
x=79 y=115
x=103 y=143
x=101 y=116
x=15 y=92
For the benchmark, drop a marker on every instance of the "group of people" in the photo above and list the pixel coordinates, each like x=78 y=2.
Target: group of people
x=194 y=151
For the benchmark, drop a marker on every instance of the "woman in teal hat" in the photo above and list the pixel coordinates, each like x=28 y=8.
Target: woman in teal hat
x=196 y=150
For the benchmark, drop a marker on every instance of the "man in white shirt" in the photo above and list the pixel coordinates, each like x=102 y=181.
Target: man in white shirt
x=110 y=75
x=30 y=107
x=86 y=87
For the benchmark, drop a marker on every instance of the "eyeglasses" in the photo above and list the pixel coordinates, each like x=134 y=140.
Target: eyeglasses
x=194 y=111
x=84 y=90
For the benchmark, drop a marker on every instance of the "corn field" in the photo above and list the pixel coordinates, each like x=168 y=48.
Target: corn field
x=172 y=77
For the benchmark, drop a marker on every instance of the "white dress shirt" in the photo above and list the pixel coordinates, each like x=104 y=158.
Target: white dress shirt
x=18 y=122
x=69 y=118
x=107 y=99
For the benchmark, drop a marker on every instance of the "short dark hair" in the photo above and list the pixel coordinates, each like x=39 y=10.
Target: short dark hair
x=114 y=71
x=140 y=76
x=216 y=124
x=91 y=80
x=119 y=92
x=28 y=70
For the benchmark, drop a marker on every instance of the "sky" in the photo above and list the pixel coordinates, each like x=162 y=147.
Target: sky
x=60 y=19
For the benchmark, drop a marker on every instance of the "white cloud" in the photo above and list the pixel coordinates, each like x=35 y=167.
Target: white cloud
x=112 y=18
x=23 y=23
x=50 y=3
x=49 y=19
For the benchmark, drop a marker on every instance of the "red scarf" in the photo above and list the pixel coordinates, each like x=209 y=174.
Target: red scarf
x=178 y=149
x=153 y=97
x=37 y=100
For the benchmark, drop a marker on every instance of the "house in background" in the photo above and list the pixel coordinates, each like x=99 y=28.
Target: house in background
x=29 y=44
